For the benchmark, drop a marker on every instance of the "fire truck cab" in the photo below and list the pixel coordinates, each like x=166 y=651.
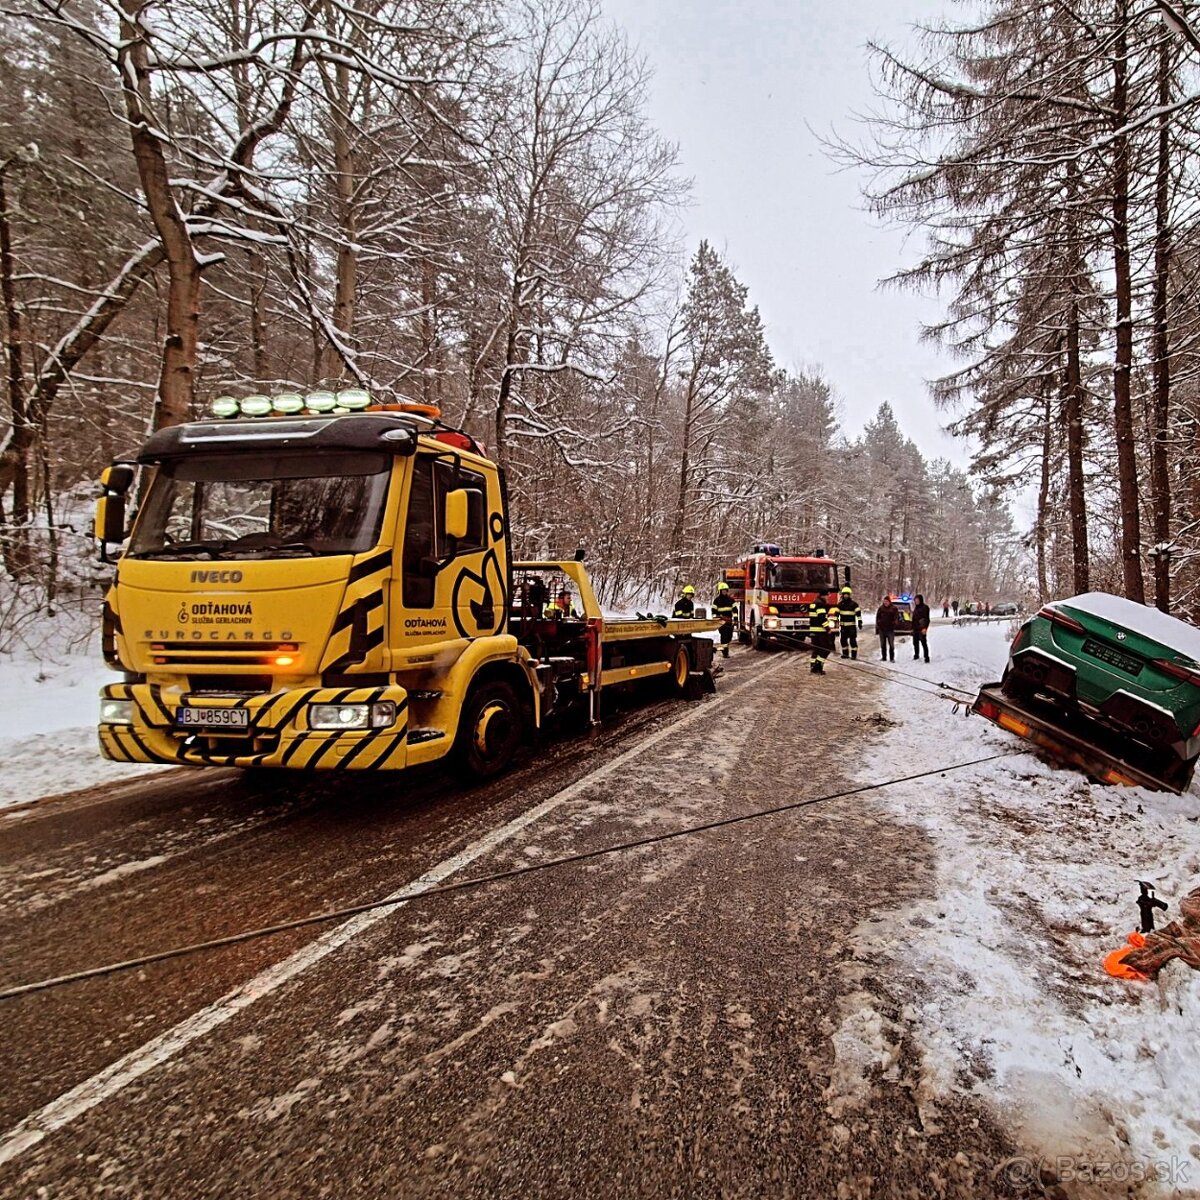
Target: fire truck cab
x=773 y=592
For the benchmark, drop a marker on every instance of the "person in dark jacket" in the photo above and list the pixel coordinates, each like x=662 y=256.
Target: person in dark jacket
x=723 y=607
x=887 y=616
x=920 y=622
x=685 y=606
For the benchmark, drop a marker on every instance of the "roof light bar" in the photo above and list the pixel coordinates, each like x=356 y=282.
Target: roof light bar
x=256 y=406
x=354 y=399
x=321 y=402
x=288 y=403
x=225 y=406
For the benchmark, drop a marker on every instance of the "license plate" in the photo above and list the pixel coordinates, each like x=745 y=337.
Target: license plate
x=1114 y=657
x=227 y=720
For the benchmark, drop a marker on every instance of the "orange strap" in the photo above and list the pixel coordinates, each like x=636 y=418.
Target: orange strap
x=1114 y=964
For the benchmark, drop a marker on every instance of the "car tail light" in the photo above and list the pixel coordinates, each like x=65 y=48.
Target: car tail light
x=1061 y=618
x=1118 y=777
x=1021 y=728
x=1179 y=671
x=985 y=708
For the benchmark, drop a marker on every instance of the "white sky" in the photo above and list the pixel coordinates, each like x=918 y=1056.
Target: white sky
x=746 y=87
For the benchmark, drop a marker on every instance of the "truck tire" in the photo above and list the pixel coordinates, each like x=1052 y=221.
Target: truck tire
x=490 y=731
x=757 y=641
x=682 y=683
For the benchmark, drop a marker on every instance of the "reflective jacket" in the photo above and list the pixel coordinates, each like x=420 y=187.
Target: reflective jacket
x=723 y=605
x=849 y=612
x=818 y=617
x=685 y=606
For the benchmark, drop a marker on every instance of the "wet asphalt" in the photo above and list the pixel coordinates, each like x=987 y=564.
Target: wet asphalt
x=666 y=1021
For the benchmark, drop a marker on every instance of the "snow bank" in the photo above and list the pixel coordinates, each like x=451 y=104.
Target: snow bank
x=1002 y=965
x=48 y=732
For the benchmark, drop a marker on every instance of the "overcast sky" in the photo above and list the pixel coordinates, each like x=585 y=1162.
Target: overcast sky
x=746 y=87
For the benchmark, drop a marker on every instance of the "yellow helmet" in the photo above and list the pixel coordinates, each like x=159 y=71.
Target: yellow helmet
x=722 y=586
x=689 y=590
x=847 y=590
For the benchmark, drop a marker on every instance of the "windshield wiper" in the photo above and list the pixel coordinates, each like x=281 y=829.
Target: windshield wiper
x=178 y=549
x=282 y=550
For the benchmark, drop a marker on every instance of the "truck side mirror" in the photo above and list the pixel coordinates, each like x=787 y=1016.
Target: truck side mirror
x=457 y=513
x=846 y=575
x=115 y=483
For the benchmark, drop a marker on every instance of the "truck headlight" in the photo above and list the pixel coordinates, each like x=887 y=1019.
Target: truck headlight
x=771 y=622
x=116 y=712
x=352 y=716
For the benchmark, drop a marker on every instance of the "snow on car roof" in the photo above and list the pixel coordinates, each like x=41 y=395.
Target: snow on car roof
x=1140 y=618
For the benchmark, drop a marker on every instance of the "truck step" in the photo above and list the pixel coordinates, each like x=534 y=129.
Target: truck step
x=424 y=735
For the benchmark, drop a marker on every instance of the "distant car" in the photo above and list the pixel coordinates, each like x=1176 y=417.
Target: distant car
x=1125 y=666
x=1006 y=608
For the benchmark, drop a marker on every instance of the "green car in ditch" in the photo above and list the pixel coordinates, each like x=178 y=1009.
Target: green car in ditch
x=1129 y=672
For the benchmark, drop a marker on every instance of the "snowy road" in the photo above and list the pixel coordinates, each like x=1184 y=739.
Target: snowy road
x=741 y=1012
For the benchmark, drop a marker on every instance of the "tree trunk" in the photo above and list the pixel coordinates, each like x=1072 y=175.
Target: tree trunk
x=1044 y=496
x=1127 y=480
x=1160 y=472
x=1074 y=396
x=176 y=384
x=20 y=442
x=346 y=286
x=258 y=333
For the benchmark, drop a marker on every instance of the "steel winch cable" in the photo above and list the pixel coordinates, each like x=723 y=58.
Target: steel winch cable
x=927 y=686
x=234 y=939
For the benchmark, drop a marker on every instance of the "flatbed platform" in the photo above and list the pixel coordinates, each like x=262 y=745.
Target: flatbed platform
x=630 y=629
x=1067 y=741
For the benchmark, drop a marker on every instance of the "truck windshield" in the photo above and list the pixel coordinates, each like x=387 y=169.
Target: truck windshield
x=263 y=506
x=801 y=577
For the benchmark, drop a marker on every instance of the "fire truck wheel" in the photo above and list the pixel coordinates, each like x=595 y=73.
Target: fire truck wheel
x=490 y=732
x=757 y=641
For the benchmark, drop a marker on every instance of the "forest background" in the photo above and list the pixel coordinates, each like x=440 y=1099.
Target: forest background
x=465 y=204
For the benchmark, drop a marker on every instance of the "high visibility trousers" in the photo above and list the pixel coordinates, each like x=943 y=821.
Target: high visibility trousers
x=822 y=647
x=850 y=639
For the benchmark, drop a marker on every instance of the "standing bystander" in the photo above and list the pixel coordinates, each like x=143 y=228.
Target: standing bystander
x=887 y=616
x=920 y=621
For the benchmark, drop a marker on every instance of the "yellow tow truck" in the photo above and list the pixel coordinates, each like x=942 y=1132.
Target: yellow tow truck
x=323 y=582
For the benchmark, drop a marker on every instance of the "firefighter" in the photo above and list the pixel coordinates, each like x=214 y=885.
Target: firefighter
x=819 y=622
x=685 y=606
x=850 y=620
x=722 y=606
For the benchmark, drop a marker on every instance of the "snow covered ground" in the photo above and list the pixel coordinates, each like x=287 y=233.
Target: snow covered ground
x=1099 y=1079
x=48 y=729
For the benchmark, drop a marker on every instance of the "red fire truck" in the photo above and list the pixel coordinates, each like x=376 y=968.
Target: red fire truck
x=773 y=592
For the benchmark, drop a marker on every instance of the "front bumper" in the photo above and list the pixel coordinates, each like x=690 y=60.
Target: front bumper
x=278 y=733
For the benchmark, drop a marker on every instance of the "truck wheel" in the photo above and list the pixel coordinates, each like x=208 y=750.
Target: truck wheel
x=683 y=682
x=490 y=731
x=757 y=641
